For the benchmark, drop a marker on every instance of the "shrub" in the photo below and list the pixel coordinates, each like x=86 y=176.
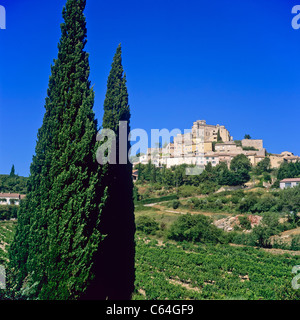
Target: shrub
x=155 y=200
x=195 y=228
x=8 y=212
x=244 y=222
x=147 y=225
x=187 y=191
x=295 y=244
x=175 y=204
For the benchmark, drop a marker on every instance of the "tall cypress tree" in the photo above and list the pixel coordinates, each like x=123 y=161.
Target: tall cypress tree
x=115 y=271
x=58 y=223
x=12 y=171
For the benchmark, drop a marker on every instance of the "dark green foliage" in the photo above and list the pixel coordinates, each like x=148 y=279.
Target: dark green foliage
x=245 y=222
x=12 y=171
x=159 y=199
x=247 y=136
x=58 y=234
x=147 y=225
x=195 y=228
x=249 y=149
x=295 y=244
x=240 y=162
x=175 y=204
x=263 y=166
x=8 y=212
x=114 y=266
x=288 y=170
x=208 y=180
x=13 y=184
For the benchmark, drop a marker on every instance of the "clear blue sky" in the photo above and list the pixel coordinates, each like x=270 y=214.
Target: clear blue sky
x=229 y=62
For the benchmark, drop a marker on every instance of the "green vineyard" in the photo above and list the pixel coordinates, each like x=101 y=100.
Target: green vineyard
x=7 y=230
x=187 y=271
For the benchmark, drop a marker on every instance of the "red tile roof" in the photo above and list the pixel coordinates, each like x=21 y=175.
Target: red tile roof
x=291 y=180
x=12 y=195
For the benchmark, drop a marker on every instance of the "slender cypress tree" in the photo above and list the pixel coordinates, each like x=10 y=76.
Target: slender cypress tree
x=12 y=171
x=115 y=271
x=58 y=224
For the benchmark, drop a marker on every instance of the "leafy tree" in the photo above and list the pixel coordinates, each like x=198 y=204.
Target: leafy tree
x=58 y=234
x=263 y=166
x=195 y=228
x=247 y=136
x=114 y=266
x=240 y=162
x=288 y=170
x=147 y=225
x=241 y=166
x=15 y=184
x=246 y=203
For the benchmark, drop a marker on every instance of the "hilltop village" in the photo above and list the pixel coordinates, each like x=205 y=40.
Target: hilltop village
x=211 y=143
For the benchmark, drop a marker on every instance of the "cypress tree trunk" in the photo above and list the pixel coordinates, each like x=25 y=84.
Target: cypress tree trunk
x=115 y=273
x=58 y=224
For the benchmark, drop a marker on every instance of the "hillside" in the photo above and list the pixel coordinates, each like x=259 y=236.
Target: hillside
x=13 y=184
x=168 y=270
x=181 y=271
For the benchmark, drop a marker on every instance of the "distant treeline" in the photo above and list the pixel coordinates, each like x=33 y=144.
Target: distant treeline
x=239 y=173
x=13 y=184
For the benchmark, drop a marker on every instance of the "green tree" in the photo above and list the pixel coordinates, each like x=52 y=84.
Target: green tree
x=288 y=170
x=58 y=234
x=12 y=171
x=195 y=228
x=263 y=166
x=147 y=224
x=247 y=136
x=241 y=167
x=240 y=162
x=114 y=267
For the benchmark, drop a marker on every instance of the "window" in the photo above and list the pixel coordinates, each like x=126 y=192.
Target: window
x=288 y=184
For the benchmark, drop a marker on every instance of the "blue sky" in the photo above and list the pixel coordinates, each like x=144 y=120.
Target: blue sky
x=229 y=62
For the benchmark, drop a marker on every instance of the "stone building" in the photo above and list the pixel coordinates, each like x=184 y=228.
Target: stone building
x=201 y=146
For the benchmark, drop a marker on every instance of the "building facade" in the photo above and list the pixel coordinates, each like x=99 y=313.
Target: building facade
x=211 y=143
x=11 y=198
x=289 y=183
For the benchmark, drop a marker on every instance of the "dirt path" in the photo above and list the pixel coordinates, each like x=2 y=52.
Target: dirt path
x=186 y=211
x=273 y=251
